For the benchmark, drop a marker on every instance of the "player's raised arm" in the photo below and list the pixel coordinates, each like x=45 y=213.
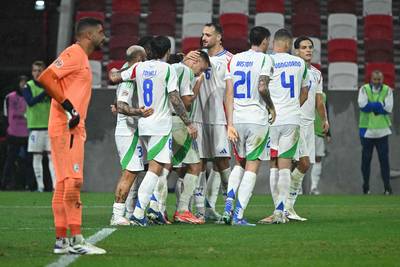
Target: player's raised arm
x=125 y=74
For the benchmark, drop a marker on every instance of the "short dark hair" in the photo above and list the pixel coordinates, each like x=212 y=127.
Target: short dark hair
x=145 y=42
x=23 y=78
x=282 y=34
x=216 y=26
x=85 y=23
x=175 y=58
x=159 y=47
x=39 y=63
x=301 y=39
x=205 y=57
x=258 y=34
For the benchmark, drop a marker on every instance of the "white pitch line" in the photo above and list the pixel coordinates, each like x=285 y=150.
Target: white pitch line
x=66 y=260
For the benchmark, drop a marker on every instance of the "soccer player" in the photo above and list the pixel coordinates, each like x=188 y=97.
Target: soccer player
x=37 y=115
x=248 y=105
x=129 y=145
x=209 y=116
x=157 y=88
x=68 y=80
x=304 y=48
x=288 y=89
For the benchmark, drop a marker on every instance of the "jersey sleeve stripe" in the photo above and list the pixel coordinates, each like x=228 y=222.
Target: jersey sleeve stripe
x=133 y=75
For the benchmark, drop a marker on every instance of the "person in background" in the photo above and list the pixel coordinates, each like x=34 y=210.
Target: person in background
x=17 y=134
x=375 y=100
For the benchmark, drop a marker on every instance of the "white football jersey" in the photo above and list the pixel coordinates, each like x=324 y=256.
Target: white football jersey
x=154 y=80
x=244 y=70
x=290 y=75
x=315 y=87
x=209 y=108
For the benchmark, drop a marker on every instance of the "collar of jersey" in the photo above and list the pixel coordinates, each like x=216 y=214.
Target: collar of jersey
x=221 y=53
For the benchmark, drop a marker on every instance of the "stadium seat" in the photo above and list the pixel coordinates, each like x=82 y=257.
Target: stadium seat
x=132 y=6
x=125 y=23
x=379 y=51
x=234 y=6
x=306 y=24
x=191 y=43
x=342 y=26
x=276 y=6
x=342 y=6
x=236 y=45
x=91 y=5
x=311 y=7
x=115 y=64
x=119 y=44
x=96 y=55
x=378 y=27
x=162 y=6
x=387 y=69
x=94 y=14
x=234 y=24
x=161 y=23
x=190 y=6
x=382 y=7
x=342 y=50
x=317 y=50
x=96 y=73
x=193 y=23
x=271 y=21
x=343 y=76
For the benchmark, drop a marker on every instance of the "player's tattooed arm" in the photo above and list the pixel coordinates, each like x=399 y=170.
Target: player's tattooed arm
x=179 y=107
x=127 y=110
x=263 y=83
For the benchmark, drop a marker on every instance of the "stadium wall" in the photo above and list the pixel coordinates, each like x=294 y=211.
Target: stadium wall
x=341 y=169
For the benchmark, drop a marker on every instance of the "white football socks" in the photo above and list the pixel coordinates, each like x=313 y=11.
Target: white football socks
x=189 y=185
x=199 y=196
x=234 y=181
x=273 y=183
x=315 y=175
x=225 y=174
x=146 y=189
x=38 y=169
x=283 y=188
x=156 y=200
x=178 y=190
x=132 y=198
x=213 y=184
x=119 y=209
x=295 y=185
x=245 y=192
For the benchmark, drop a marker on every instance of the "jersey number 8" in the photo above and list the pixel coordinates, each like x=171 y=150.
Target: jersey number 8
x=148 y=92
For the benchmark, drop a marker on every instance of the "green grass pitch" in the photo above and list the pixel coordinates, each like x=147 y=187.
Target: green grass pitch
x=341 y=231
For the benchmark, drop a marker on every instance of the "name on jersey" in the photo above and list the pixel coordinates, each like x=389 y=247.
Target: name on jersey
x=149 y=73
x=244 y=64
x=287 y=64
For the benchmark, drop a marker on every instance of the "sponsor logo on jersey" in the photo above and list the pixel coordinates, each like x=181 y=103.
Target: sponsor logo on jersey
x=76 y=167
x=58 y=63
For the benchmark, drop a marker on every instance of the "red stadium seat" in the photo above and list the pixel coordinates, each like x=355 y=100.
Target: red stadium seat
x=378 y=27
x=342 y=6
x=190 y=43
x=311 y=7
x=275 y=6
x=379 y=51
x=162 y=6
x=234 y=24
x=342 y=50
x=125 y=23
x=96 y=55
x=94 y=14
x=126 y=6
x=387 y=70
x=119 y=44
x=306 y=24
x=91 y=5
x=161 y=23
x=236 y=45
x=115 y=64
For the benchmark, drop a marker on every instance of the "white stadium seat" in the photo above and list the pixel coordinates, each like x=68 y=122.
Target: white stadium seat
x=234 y=6
x=193 y=23
x=343 y=76
x=96 y=73
x=271 y=21
x=377 y=7
x=342 y=26
x=190 y=6
x=317 y=50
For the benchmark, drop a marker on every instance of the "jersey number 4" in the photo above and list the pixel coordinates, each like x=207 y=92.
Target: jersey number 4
x=288 y=85
x=148 y=92
x=244 y=79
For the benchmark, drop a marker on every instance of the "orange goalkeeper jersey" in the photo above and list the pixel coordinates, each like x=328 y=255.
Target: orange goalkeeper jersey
x=75 y=76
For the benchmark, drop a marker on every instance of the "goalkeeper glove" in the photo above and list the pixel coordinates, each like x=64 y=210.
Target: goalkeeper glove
x=72 y=114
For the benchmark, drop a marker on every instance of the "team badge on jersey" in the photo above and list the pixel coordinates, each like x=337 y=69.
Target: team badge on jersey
x=58 y=63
